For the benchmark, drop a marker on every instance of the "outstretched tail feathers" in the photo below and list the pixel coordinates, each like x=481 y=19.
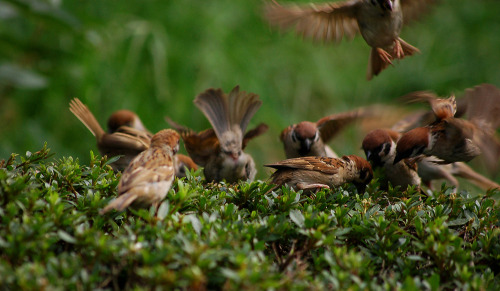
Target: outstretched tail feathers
x=224 y=111
x=120 y=203
x=83 y=113
x=376 y=64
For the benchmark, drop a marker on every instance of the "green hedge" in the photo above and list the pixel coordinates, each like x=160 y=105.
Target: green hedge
x=234 y=237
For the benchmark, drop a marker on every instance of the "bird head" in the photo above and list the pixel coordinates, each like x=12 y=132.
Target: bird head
x=124 y=118
x=166 y=138
x=364 y=171
x=412 y=144
x=377 y=145
x=304 y=135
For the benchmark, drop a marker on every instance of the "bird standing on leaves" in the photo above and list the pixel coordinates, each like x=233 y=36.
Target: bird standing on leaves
x=313 y=173
x=378 y=21
x=220 y=150
x=149 y=176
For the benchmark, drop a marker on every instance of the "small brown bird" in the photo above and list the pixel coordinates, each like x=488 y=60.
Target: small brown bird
x=149 y=176
x=380 y=149
x=448 y=138
x=220 y=150
x=121 y=139
x=309 y=138
x=378 y=21
x=313 y=173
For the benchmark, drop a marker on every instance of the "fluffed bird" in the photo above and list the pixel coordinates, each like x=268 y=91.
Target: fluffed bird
x=122 y=140
x=378 y=21
x=220 y=150
x=448 y=138
x=149 y=176
x=310 y=138
x=380 y=149
x=313 y=173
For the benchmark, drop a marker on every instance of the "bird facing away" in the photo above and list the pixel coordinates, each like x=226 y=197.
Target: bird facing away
x=309 y=138
x=149 y=176
x=313 y=173
x=380 y=149
x=121 y=140
x=378 y=21
x=220 y=149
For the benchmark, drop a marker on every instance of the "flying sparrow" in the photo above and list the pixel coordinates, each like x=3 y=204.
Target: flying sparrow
x=380 y=149
x=309 y=138
x=220 y=150
x=378 y=21
x=313 y=173
x=121 y=140
x=149 y=176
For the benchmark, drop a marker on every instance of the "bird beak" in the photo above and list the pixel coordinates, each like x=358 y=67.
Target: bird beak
x=234 y=156
x=360 y=187
x=306 y=145
x=368 y=154
x=387 y=5
x=397 y=159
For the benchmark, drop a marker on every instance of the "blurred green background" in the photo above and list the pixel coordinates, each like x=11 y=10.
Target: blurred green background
x=154 y=57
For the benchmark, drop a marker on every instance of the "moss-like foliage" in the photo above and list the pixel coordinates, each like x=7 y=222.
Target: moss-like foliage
x=237 y=237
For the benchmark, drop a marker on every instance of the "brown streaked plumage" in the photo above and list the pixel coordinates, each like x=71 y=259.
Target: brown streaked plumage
x=220 y=150
x=312 y=173
x=149 y=176
x=126 y=141
x=379 y=22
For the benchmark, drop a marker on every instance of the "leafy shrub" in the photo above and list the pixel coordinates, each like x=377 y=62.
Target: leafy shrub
x=219 y=236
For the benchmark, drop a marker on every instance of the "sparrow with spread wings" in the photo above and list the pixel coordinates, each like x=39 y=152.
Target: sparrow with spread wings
x=378 y=21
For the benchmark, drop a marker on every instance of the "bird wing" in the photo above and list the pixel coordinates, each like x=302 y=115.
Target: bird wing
x=82 y=112
x=331 y=125
x=317 y=164
x=325 y=22
x=253 y=133
x=442 y=108
x=413 y=9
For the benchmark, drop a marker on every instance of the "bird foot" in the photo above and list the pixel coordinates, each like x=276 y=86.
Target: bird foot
x=385 y=56
x=398 y=50
x=317 y=187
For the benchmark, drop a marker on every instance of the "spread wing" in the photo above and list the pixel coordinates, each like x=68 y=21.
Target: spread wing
x=317 y=164
x=253 y=133
x=324 y=22
x=121 y=143
x=331 y=125
x=442 y=108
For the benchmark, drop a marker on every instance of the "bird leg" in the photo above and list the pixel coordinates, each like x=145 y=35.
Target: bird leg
x=317 y=187
x=384 y=56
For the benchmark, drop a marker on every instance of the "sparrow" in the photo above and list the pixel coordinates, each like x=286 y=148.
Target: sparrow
x=378 y=21
x=220 y=149
x=380 y=149
x=309 y=138
x=149 y=176
x=313 y=173
x=120 y=138
x=448 y=138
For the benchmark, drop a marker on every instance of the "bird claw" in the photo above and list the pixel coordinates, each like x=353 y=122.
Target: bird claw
x=398 y=50
x=385 y=56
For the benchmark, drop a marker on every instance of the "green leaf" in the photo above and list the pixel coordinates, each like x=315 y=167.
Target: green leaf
x=297 y=217
x=66 y=237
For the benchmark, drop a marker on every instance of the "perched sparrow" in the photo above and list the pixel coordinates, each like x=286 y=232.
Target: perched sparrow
x=122 y=139
x=149 y=176
x=309 y=139
x=428 y=170
x=378 y=21
x=380 y=149
x=220 y=150
x=310 y=173
x=448 y=138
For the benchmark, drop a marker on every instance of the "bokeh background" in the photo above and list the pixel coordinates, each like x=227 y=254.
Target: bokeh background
x=154 y=57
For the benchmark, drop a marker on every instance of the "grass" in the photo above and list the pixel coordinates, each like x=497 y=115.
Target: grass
x=237 y=237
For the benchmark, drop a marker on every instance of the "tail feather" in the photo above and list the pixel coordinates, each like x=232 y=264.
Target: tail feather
x=224 y=111
x=375 y=64
x=464 y=171
x=83 y=113
x=408 y=49
x=120 y=203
